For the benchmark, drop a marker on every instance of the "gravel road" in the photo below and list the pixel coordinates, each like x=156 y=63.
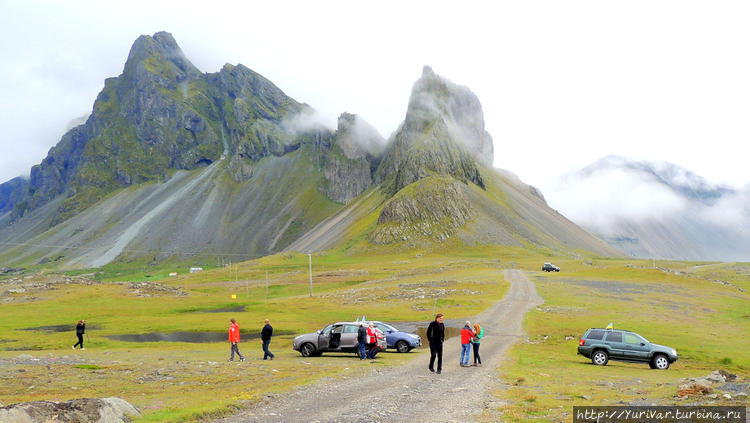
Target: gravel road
x=410 y=393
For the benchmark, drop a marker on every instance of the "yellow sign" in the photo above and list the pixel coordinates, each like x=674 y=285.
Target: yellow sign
x=234 y=296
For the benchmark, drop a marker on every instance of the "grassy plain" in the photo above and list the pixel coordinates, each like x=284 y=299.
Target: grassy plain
x=700 y=309
x=172 y=381
x=697 y=308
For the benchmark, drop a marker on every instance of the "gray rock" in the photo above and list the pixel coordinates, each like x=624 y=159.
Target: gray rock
x=105 y=410
x=352 y=159
x=443 y=133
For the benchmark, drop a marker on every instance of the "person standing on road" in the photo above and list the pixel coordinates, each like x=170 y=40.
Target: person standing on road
x=80 y=331
x=234 y=339
x=436 y=337
x=476 y=341
x=466 y=334
x=362 y=340
x=265 y=337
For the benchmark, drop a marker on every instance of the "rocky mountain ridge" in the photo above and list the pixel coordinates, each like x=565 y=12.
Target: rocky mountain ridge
x=173 y=162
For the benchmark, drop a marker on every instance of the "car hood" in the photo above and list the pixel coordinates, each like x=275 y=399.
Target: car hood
x=662 y=347
x=306 y=337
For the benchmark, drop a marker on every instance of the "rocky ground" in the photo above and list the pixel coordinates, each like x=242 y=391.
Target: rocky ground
x=410 y=393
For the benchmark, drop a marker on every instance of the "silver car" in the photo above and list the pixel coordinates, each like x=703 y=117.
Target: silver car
x=336 y=337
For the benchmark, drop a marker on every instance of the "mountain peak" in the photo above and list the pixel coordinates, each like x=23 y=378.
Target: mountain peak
x=149 y=50
x=427 y=71
x=434 y=97
x=443 y=132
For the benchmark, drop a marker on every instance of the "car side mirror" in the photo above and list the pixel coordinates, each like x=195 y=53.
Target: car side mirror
x=390 y=331
x=643 y=344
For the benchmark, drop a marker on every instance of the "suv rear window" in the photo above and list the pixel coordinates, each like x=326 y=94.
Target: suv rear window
x=614 y=337
x=595 y=334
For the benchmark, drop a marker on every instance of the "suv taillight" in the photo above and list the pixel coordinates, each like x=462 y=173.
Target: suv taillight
x=581 y=342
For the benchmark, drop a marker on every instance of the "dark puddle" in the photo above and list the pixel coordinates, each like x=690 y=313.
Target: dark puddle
x=191 y=337
x=238 y=309
x=60 y=328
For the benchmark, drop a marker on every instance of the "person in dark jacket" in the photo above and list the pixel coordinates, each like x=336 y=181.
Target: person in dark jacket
x=362 y=340
x=436 y=337
x=80 y=331
x=265 y=336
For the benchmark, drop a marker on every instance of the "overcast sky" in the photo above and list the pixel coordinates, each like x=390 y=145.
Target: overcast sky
x=561 y=83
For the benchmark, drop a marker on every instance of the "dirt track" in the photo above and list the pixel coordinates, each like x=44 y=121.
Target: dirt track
x=410 y=393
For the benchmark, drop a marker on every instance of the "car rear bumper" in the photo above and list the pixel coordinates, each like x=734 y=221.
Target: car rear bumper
x=585 y=351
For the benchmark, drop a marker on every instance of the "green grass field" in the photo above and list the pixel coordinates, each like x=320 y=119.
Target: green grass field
x=171 y=381
x=698 y=308
x=675 y=304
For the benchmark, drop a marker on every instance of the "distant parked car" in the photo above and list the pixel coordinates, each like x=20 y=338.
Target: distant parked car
x=336 y=337
x=602 y=345
x=549 y=267
x=403 y=342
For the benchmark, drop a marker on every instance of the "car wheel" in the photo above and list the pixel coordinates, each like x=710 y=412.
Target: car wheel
x=661 y=362
x=402 y=346
x=651 y=364
x=600 y=358
x=307 y=350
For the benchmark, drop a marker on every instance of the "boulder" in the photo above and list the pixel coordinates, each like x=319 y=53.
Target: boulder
x=82 y=410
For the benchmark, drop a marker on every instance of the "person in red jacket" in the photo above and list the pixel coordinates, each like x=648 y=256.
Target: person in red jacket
x=234 y=339
x=466 y=335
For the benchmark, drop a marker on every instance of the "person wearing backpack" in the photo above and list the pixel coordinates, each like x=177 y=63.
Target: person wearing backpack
x=476 y=342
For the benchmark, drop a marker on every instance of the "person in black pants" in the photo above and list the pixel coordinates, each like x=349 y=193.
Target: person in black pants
x=80 y=331
x=436 y=337
x=362 y=340
x=265 y=336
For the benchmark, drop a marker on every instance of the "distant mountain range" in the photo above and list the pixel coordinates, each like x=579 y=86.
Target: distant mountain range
x=657 y=209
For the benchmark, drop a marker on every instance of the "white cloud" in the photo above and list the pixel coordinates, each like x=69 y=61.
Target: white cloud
x=561 y=84
x=611 y=195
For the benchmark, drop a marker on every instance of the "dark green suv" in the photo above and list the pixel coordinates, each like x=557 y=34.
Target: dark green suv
x=602 y=345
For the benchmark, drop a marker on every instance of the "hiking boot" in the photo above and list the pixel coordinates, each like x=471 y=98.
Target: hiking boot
x=439 y=371
x=432 y=370
x=242 y=359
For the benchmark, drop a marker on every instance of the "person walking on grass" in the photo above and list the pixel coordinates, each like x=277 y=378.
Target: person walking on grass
x=80 y=331
x=234 y=339
x=265 y=339
x=436 y=337
x=476 y=342
x=466 y=334
x=362 y=340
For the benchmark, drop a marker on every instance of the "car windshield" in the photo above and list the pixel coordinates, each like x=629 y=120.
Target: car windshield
x=385 y=327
